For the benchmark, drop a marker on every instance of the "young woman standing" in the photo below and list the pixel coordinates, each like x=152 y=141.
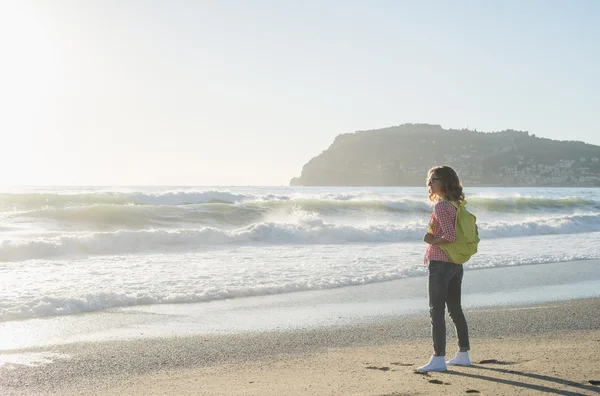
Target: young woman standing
x=445 y=277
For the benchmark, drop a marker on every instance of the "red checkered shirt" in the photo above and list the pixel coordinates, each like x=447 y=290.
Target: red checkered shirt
x=441 y=225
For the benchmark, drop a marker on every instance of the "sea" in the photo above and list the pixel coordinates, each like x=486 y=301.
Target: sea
x=71 y=250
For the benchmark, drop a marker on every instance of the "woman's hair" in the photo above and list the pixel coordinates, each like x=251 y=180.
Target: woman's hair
x=451 y=187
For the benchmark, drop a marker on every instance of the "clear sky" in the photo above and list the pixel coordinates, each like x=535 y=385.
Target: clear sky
x=126 y=92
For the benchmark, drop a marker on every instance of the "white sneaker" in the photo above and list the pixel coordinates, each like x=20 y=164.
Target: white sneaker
x=461 y=359
x=436 y=363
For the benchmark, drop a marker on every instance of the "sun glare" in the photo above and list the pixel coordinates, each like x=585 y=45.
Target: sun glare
x=32 y=79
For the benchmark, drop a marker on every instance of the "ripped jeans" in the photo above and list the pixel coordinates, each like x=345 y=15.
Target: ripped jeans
x=445 y=281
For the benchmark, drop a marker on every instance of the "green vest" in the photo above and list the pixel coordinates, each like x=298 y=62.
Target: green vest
x=465 y=246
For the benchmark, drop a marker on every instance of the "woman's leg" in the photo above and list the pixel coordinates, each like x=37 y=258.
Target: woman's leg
x=439 y=276
x=455 y=309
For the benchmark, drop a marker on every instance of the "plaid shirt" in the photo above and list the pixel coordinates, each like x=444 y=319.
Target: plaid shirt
x=441 y=225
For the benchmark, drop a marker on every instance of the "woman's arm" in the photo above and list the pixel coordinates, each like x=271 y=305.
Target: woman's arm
x=430 y=239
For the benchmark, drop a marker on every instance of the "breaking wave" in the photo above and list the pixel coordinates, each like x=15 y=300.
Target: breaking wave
x=308 y=230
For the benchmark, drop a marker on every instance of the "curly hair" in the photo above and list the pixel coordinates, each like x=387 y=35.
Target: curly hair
x=451 y=186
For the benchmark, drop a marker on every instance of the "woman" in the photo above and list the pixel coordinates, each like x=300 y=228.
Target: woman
x=445 y=277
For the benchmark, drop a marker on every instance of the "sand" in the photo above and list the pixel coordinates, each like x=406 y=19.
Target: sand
x=528 y=365
x=544 y=348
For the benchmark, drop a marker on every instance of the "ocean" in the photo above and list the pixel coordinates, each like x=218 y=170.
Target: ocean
x=66 y=251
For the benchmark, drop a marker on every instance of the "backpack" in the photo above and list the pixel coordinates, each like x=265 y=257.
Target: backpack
x=465 y=226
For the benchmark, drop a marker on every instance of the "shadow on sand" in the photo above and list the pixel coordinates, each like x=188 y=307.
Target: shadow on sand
x=539 y=377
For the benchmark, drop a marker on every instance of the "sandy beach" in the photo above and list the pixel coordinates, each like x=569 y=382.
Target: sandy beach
x=561 y=363
x=543 y=348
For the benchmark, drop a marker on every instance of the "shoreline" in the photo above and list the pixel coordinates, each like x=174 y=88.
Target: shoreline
x=362 y=304
x=516 y=336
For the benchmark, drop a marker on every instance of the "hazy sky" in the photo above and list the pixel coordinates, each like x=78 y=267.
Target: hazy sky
x=245 y=92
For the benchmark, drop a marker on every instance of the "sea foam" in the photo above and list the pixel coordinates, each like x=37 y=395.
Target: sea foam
x=309 y=229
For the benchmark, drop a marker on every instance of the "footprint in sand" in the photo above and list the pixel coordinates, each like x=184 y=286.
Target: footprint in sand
x=493 y=361
x=435 y=381
x=402 y=364
x=378 y=368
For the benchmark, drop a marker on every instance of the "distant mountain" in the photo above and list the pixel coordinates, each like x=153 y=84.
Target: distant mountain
x=401 y=156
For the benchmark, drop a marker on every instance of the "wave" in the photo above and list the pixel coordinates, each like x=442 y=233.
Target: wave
x=111 y=216
x=80 y=301
x=571 y=224
x=114 y=217
x=33 y=201
x=526 y=204
x=124 y=242
x=307 y=230
x=186 y=198
x=55 y=306
x=316 y=201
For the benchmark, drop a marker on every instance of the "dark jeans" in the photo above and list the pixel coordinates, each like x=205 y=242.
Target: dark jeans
x=445 y=281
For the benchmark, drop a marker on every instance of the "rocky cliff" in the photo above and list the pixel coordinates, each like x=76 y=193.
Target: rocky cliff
x=401 y=156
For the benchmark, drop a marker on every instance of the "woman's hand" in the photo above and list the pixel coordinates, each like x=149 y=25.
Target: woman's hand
x=428 y=238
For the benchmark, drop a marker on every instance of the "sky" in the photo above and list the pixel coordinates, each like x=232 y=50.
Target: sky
x=225 y=93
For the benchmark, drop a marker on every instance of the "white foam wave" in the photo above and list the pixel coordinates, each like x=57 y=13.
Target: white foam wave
x=55 y=306
x=307 y=228
x=570 y=224
x=121 y=242
x=212 y=285
x=186 y=198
